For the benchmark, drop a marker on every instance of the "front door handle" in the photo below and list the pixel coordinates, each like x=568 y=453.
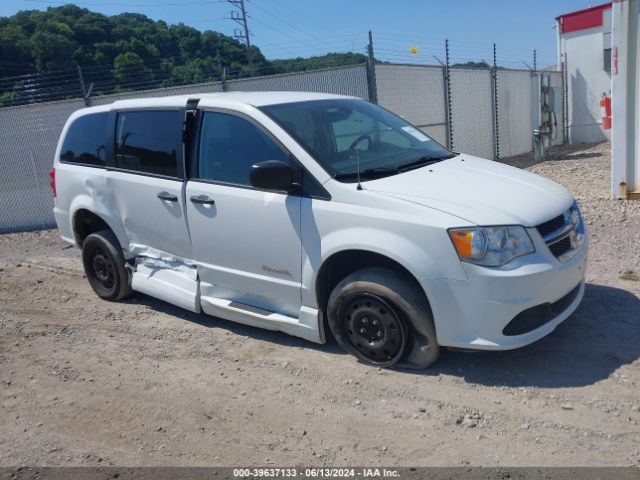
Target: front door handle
x=167 y=196
x=202 y=200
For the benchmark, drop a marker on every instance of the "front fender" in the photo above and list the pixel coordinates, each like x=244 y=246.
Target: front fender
x=425 y=251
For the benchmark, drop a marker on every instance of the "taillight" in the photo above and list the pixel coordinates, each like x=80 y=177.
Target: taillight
x=52 y=181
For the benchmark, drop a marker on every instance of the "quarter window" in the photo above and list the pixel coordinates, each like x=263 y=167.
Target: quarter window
x=148 y=142
x=230 y=145
x=85 y=140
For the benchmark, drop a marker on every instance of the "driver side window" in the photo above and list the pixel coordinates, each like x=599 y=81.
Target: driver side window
x=353 y=129
x=230 y=145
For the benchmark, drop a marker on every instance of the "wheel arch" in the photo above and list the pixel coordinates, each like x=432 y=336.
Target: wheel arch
x=344 y=262
x=85 y=222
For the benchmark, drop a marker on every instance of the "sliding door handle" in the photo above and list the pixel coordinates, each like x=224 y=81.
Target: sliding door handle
x=167 y=196
x=202 y=200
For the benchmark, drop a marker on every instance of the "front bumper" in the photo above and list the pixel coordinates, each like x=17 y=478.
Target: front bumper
x=473 y=314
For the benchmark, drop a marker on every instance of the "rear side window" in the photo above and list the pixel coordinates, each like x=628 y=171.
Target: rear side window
x=85 y=140
x=230 y=145
x=148 y=141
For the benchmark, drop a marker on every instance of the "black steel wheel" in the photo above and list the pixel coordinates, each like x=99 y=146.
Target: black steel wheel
x=382 y=317
x=104 y=266
x=372 y=329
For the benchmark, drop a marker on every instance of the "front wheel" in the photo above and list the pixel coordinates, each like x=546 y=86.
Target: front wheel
x=382 y=318
x=104 y=266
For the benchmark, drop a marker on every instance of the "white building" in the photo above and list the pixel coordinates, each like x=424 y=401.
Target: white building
x=625 y=145
x=599 y=46
x=584 y=43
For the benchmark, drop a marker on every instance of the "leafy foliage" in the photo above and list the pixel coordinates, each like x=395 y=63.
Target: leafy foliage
x=125 y=51
x=63 y=37
x=313 y=63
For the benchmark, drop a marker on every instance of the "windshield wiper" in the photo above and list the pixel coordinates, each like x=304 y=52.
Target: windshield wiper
x=368 y=173
x=382 y=171
x=423 y=161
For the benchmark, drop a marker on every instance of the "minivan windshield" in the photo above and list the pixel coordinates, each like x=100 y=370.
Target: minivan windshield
x=345 y=135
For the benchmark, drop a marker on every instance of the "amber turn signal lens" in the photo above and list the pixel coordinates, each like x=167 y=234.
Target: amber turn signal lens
x=462 y=241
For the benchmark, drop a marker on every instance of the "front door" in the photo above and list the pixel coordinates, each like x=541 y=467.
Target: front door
x=246 y=242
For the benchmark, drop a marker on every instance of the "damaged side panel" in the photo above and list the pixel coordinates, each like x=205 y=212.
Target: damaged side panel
x=167 y=279
x=150 y=211
x=176 y=282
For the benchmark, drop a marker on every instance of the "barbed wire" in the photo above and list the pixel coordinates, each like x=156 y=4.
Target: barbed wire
x=63 y=83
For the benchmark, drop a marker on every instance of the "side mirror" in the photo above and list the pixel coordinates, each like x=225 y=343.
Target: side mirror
x=271 y=175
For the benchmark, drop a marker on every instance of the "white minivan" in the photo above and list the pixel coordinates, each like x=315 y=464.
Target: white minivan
x=292 y=211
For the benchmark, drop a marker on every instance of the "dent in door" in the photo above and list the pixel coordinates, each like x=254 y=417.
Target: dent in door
x=169 y=280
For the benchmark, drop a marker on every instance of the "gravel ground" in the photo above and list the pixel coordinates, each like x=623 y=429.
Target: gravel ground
x=87 y=382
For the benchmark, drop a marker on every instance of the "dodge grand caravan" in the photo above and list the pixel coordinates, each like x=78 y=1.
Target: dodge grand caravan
x=283 y=210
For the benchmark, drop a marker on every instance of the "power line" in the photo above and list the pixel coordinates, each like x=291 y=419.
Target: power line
x=283 y=49
x=310 y=19
x=291 y=25
x=110 y=4
x=284 y=33
x=344 y=37
x=298 y=42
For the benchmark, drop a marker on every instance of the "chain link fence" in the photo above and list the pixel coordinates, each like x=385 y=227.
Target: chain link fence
x=417 y=94
x=469 y=111
x=29 y=138
x=514 y=112
x=490 y=118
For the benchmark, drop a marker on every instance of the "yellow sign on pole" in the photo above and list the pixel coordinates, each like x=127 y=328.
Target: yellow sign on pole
x=413 y=50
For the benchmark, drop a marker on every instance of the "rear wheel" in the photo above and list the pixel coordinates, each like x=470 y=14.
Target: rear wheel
x=382 y=318
x=104 y=266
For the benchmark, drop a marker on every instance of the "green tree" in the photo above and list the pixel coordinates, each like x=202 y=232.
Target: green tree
x=129 y=67
x=128 y=50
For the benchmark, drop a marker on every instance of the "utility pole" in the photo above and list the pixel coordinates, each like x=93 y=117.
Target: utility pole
x=371 y=72
x=240 y=17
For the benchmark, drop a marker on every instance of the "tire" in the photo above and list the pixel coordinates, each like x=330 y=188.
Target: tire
x=104 y=266
x=381 y=318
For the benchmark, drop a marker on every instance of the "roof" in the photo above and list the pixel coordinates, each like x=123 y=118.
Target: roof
x=230 y=99
x=582 y=19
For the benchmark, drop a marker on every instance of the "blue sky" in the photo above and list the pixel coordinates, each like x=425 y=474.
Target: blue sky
x=290 y=28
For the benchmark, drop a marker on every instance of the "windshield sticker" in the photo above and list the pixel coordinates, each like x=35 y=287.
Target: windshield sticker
x=416 y=133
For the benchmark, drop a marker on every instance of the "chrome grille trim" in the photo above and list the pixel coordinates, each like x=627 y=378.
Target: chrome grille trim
x=561 y=233
x=568 y=231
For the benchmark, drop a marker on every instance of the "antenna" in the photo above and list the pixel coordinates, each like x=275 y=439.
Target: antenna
x=359 y=187
x=356 y=119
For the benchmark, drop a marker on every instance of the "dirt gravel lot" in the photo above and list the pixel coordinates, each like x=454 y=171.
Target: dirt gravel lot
x=87 y=382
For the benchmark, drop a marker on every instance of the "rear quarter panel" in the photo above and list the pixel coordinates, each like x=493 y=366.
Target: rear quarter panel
x=81 y=187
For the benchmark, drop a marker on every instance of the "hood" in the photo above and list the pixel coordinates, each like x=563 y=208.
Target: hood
x=480 y=191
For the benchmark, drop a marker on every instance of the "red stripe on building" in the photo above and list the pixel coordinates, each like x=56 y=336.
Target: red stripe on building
x=582 y=19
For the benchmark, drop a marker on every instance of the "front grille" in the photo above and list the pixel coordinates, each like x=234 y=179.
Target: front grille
x=561 y=235
x=560 y=248
x=551 y=226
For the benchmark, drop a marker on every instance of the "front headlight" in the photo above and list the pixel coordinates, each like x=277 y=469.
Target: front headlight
x=491 y=246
